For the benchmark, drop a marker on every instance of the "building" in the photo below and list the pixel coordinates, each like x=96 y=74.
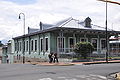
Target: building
x=7 y=54
x=0 y=53
x=61 y=38
x=115 y=45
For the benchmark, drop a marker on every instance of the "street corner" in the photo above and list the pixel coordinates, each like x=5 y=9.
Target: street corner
x=117 y=76
x=114 y=76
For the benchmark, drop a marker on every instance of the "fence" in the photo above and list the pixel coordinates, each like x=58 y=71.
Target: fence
x=68 y=55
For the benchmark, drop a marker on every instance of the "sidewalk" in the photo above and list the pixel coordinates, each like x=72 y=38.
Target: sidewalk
x=71 y=63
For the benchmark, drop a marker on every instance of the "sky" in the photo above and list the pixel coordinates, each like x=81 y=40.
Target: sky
x=52 y=11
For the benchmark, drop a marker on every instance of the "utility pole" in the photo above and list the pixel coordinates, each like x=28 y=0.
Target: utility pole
x=114 y=2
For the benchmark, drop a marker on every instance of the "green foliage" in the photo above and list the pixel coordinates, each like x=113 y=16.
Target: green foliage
x=84 y=49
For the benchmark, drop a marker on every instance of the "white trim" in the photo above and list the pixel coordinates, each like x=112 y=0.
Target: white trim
x=74 y=41
x=58 y=46
x=100 y=43
x=20 y=46
x=48 y=44
x=34 y=45
x=31 y=45
x=40 y=44
x=26 y=46
x=97 y=42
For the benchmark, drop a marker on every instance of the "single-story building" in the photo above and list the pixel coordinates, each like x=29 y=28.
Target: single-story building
x=61 y=38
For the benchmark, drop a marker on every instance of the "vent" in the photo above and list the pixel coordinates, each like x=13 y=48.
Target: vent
x=88 y=22
x=41 y=27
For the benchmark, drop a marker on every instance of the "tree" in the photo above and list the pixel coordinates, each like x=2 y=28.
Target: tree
x=84 y=49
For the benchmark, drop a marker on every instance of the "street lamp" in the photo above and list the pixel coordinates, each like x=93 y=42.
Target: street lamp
x=23 y=35
x=114 y=2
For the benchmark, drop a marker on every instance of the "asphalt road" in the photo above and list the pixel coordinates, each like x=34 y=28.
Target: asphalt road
x=37 y=72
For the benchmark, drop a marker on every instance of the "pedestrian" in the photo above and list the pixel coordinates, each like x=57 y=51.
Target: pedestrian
x=50 y=57
x=55 y=58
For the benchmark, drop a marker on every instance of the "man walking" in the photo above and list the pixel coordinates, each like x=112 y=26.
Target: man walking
x=50 y=57
x=55 y=58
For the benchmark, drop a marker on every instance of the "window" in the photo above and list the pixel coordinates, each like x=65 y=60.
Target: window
x=15 y=46
x=103 y=44
x=20 y=46
x=61 y=44
x=71 y=42
x=26 y=45
x=41 y=44
x=32 y=45
x=46 y=44
x=94 y=42
x=83 y=40
x=23 y=45
x=35 y=45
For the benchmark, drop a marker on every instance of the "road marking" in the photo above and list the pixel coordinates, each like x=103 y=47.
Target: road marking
x=61 y=77
x=45 y=79
x=92 y=77
x=82 y=76
x=71 y=79
x=85 y=77
x=102 y=77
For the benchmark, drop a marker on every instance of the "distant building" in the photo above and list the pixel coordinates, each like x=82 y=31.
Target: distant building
x=7 y=54
x=115 y=45
x=0 y=53
x=60 y=38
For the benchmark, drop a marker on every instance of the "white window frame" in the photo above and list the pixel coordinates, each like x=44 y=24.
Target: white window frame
x=101 y=44
x=26 y=46
x=20 y=46
x=42 y=45
x=69 y=41
x=97 y=42
x=58 y=45
x=36 y=44
x=15 y=48
x=48 y=44
x=31 y=45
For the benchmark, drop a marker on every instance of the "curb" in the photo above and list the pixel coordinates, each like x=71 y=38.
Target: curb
x=100 y=63
x=52 y=64
x=56 y=65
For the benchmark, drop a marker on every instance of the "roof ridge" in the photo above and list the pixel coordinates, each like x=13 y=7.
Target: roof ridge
x=69 y=19
x=62 y=21
x=102 y=27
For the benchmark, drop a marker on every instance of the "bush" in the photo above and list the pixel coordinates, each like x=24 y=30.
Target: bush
x=83 y=49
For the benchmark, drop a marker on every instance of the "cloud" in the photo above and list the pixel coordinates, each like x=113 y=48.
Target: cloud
x=51 y=11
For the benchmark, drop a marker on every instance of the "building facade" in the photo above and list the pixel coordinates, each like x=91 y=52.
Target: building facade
x=7 y=53
x=60 y=38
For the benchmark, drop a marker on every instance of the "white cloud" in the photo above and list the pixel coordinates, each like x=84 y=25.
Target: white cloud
x=54 y=10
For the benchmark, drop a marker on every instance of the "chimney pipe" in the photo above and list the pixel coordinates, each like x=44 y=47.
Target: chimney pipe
x=41 y=27
x=28 y=30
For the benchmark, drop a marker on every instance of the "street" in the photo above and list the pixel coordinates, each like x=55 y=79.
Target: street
x=38 y=72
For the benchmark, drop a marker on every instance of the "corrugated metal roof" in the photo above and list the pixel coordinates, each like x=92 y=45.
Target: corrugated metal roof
x=68 y=23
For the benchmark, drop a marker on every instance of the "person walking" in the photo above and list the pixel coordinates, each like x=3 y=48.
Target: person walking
x=50 y=57
x=55 y=58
